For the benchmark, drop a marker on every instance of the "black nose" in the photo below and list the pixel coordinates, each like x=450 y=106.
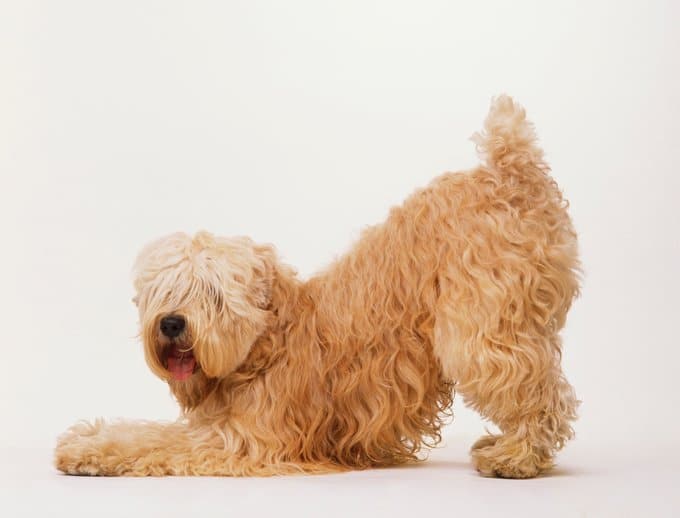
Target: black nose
x=172 y=326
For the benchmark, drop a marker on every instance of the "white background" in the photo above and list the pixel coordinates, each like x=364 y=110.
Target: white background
x=298 y=123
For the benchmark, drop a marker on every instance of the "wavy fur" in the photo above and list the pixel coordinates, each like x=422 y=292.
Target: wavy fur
x=467 y=283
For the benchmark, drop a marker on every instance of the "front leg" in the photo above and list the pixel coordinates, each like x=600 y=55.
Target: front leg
x=142 y=448
x=145 y=448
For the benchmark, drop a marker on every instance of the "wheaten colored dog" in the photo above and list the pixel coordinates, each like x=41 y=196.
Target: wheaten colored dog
x=467 y=283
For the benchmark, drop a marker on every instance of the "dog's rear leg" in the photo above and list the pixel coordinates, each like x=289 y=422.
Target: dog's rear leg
x=509 y=371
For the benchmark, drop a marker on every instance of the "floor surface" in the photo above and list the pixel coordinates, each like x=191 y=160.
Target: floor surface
x=616 y=481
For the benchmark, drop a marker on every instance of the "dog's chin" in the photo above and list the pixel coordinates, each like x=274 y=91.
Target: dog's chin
x=179 y=360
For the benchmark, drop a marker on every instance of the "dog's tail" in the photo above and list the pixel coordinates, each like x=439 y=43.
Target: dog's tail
x=508 y=142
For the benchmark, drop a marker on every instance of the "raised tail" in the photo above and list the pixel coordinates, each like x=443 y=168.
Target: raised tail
x=508 y=141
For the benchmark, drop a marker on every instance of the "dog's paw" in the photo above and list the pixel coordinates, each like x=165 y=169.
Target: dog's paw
x=493 y=456
x=83 y=450
x=76 y=465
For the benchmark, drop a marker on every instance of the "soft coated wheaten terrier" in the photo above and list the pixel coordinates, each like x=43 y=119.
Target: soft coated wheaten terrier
x=466 y=284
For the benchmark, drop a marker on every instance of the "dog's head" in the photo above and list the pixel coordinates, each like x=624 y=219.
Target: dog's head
x=203 y=301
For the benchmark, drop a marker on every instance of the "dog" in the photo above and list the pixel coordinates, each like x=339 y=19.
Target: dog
x=465 y=286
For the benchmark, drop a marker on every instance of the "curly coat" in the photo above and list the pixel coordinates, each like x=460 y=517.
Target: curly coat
x=467 y=283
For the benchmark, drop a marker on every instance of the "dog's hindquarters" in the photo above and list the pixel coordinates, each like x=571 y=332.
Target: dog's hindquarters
x=508 y=283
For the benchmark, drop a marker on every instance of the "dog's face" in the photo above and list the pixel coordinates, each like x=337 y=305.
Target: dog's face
x=202 y=302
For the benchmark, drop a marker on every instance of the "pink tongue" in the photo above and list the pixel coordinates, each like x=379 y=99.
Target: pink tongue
x=181 y=368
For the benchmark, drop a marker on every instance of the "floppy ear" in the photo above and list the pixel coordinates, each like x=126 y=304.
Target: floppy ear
x=221 y=355
x=242 y=273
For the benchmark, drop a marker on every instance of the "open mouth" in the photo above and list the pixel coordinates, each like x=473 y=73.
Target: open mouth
x=180 y=361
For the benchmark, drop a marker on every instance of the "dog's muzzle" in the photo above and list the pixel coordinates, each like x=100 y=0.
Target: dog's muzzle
x=177 y=356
